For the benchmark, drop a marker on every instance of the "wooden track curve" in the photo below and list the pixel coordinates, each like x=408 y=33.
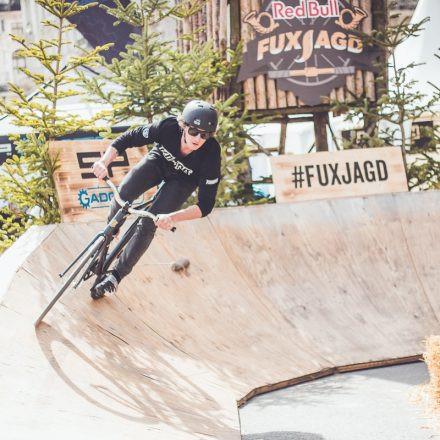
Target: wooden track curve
x=274 y=294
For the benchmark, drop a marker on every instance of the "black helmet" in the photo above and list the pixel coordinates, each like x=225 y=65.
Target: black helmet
x=200 y=114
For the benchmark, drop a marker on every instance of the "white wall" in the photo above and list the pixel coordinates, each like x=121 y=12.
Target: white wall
x=10 y=22
x=27 y=24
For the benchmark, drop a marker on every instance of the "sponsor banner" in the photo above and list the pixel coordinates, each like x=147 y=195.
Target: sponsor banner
x=345 y=173
x=307 y=46
x=82 y=196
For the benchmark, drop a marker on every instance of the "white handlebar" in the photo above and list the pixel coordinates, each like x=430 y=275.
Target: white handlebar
x=121 y=202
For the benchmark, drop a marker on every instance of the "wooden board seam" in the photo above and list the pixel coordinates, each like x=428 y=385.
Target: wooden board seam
x=328 y=372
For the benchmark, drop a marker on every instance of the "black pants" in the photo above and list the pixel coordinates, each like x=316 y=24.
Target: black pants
x=171 y=196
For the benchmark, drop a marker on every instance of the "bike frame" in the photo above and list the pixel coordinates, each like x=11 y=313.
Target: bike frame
x=94 y=259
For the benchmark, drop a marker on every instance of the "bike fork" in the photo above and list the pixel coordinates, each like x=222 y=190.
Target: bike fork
x=94 y=247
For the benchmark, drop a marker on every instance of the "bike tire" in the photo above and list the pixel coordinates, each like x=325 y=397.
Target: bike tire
x=90 y=254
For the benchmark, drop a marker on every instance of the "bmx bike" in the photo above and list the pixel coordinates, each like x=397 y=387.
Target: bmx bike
x=95 y=259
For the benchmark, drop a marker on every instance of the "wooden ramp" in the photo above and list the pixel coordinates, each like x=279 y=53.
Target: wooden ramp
x=273 y=293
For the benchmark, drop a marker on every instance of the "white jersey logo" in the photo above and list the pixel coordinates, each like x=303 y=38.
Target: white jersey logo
x=177 y=165
x=211 y=182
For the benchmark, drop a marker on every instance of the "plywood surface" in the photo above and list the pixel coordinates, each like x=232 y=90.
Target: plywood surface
x=272 y=293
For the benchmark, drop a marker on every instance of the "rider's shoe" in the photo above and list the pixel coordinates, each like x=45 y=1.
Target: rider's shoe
x=108 y=285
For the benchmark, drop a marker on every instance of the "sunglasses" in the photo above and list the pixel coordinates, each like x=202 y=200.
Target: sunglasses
x=203 y=134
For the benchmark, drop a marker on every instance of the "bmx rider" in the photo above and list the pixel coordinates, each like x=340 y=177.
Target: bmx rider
x=186 y=156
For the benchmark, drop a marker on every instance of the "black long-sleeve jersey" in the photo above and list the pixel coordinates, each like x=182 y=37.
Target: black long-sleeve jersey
x=201 y=167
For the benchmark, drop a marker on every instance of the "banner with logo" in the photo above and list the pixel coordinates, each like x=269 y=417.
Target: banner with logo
x=82 y=196
x=345 y=173
x=307 y=46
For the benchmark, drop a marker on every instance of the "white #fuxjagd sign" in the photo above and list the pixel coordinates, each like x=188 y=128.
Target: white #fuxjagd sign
x=341 y=174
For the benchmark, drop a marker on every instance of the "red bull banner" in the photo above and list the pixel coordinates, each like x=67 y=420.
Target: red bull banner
x=307 y=46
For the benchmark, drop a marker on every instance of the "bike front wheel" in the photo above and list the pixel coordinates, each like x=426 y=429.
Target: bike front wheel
x=90 y=254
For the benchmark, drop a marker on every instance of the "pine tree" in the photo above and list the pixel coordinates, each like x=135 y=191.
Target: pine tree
x=234 y=135
x=424 y=171
x=27 y=182
x=153 y=79
x=399 y=103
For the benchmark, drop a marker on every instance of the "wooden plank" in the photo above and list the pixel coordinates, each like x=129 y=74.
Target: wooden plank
x=173 y=352
x=271 y=94
x=291 y=99
x=367 y=27
x=187 y=29
x=380 y=21
x=320 y=127
x=260 y=80
x=271 y=85
x=359 y=83
x=215 y=21
x=197 y=22
x=283 y=137
x=248 y=84
x=249 y=94
x=203 y=20
x=235 y=33
x=179 y=34
x=209 y=26
x=327 y=372
x=223 y=32
x=281 y=98
x=358 y=75
x=260 y=90
x=340 y=94
x=351 y=88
